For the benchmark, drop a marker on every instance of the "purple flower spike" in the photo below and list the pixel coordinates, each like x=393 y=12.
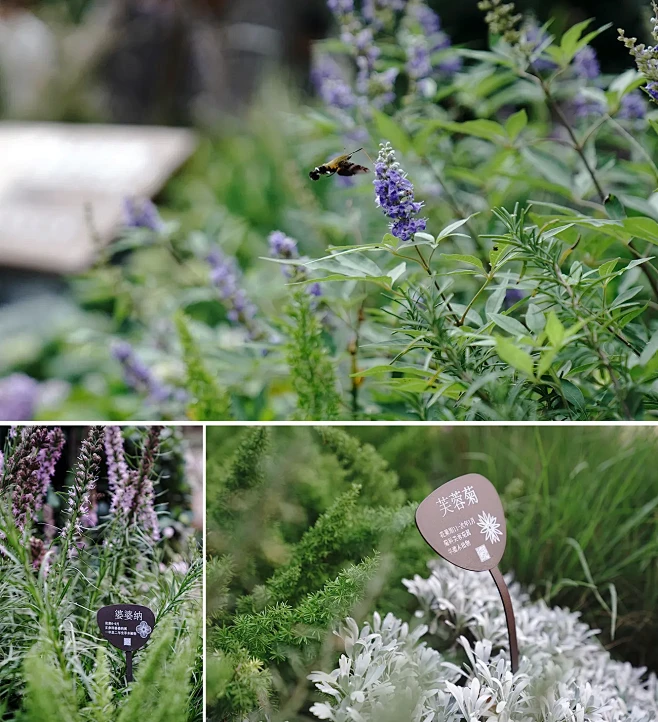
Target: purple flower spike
x=282 y=246
x=225 y=277
x=29 y=470
x=18 y=397
x=633 y=107
x=141 y=214
x=394 y=194
x=330 y=83
x=139 y=376
x=84 y=483
x=586 y=64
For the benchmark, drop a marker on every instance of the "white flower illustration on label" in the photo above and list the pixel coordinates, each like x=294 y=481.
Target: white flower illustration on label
x=143 y=629
x=490 y=527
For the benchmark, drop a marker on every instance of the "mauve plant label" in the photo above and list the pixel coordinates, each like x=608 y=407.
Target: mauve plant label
x=463 y=521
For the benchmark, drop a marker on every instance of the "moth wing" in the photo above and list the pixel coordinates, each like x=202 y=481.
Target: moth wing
x=349 y=169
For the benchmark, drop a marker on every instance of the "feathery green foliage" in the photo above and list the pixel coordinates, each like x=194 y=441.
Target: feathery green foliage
x=209 y=401
x=308 y=582
x=311 y=368
x=363 y=465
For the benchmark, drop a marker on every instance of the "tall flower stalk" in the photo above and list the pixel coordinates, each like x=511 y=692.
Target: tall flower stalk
x=80 y=492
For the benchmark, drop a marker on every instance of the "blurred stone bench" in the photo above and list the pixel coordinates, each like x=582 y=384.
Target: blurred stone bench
x=61 y=185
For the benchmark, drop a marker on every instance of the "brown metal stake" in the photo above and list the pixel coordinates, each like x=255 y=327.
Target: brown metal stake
x=509 y=616
x=129 y=666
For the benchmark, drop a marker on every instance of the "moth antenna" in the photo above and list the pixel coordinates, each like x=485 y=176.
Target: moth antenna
x=367 y=156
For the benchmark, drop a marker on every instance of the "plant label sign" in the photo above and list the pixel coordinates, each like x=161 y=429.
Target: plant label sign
x=464 y=522
x=127 y=627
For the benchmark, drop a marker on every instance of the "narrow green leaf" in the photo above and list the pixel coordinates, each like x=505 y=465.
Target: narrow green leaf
x=509 y=324
x=555 y=330
x=514 y=356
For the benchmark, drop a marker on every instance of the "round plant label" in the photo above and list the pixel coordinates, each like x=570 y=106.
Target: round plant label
x=463 y=521
x=126 y=626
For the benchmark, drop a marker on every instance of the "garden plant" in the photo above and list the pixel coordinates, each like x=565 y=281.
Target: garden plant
x=311 y=533
x=103 y=539
x=497 y=262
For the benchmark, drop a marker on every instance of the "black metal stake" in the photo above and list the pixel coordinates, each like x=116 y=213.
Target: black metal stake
x=129 y=666
x=509 y=616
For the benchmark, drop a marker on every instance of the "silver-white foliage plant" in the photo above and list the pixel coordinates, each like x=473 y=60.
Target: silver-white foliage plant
x=388 y=673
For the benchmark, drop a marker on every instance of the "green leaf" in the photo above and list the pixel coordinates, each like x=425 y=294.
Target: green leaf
x=496 y=252
x=649 y=350
x=626 y=296
x=451 y=228
x=546 y=361
x=605 y=269
x=572 y=394
x=482 y=128
x=495 y=301
x=514 y=356
x=463 y=258
x=391 y=131
x=555 y=330
x=535 y=319
x=509 y=324
x=642 y=227
x=615 y=208
x=516 y=123
x=398 y=271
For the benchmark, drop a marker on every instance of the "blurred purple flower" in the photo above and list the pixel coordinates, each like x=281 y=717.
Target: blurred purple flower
x=652 y=89
x=141 y=214
x=394 y=194
x=537 y=39
x=18 y=397
x=139 y=376
x=418 y=59
x=282 y=246
x=633 y=106
x=225 y=277
x=584 y=106
x=341 y=7
x=586 y=64
x=513 y=296
x=331 y=84
x=429 y=21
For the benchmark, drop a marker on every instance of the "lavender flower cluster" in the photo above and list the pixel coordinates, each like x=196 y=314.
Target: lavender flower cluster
x=284 y=247
x=82 y=489
x=394 y=194
x=141 y=378
x=225 y=277
x=132 y=497
x=141 y=214
x=418 y=31
x=29 y=469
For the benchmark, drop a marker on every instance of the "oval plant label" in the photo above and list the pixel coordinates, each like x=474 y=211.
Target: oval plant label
x=126 y=626
x=463 y=521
